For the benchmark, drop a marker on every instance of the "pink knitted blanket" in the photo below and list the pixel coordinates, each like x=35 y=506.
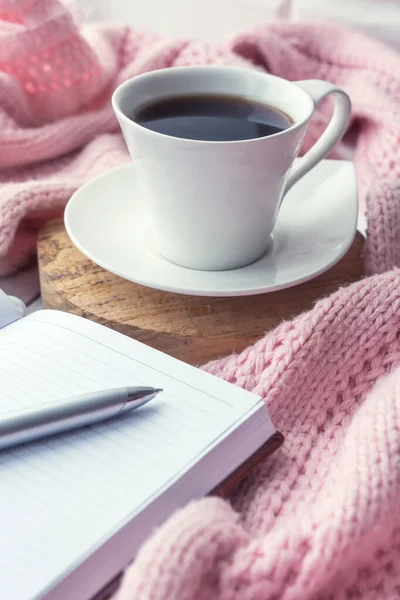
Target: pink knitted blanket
x=57 y=128
x=321 y=518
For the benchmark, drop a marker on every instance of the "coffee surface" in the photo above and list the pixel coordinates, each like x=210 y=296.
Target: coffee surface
x=212 y=118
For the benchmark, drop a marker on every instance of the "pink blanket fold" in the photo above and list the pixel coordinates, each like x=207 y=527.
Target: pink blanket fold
x=57 y=128
x=320 y=519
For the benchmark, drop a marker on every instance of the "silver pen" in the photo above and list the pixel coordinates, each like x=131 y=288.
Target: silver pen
x=31 y=424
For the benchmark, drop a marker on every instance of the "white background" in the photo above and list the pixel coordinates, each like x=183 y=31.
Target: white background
x=216 y=20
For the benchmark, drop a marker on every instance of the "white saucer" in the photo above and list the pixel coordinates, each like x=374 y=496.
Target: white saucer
x=315 y=228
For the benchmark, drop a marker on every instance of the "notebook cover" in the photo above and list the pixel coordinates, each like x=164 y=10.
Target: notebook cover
x=222 y=490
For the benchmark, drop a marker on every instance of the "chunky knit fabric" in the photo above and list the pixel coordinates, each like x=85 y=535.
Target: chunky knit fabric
x=57 y=128
x=320 y=519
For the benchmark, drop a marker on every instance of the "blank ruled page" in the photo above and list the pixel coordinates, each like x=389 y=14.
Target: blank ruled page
x=59 y=497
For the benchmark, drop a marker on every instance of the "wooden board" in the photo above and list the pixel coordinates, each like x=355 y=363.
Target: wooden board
x=191 y=328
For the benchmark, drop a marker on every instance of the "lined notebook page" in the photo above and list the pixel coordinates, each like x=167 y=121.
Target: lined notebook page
x=61 y=496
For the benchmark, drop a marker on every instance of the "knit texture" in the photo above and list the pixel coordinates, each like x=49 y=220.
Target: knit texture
x=57 y=128
x=319 y=519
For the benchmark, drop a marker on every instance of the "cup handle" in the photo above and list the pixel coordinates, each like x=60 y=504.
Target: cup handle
x=336 y=128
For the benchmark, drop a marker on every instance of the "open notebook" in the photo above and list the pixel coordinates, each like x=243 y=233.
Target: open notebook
x=75 y=508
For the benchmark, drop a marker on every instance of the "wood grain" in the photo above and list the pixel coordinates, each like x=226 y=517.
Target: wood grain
x=192 y=328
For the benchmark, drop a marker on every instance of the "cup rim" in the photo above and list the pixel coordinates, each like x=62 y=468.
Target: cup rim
x=173 y=70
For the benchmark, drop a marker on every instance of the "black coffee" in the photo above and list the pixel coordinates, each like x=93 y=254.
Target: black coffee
x=212 y=118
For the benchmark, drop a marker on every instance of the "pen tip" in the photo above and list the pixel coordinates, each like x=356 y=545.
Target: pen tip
x=158 y=390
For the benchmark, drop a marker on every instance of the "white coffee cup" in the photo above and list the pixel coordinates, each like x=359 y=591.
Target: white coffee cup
x=212 y=205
